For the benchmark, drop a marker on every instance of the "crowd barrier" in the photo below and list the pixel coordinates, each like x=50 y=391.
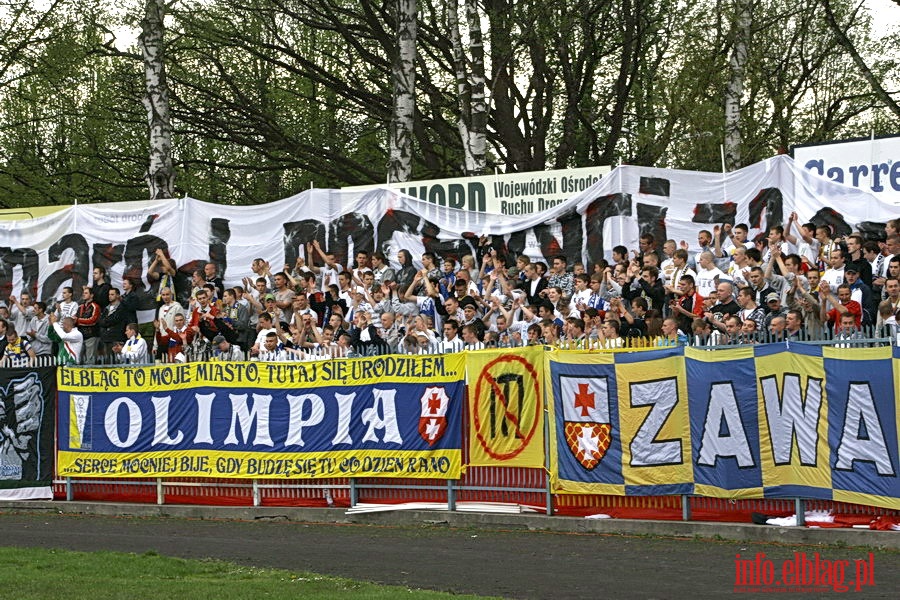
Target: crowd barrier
x=868 y=336
x=500 y=474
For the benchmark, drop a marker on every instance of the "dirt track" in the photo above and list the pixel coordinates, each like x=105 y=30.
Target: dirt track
x=512 y=564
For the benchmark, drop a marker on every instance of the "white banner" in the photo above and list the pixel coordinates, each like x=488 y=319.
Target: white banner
x=501 y=193
x=45 y=254
x=872 y=165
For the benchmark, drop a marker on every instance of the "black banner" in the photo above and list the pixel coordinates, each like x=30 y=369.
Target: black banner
x=27 y=400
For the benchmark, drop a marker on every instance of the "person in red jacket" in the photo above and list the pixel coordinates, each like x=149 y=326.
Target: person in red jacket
x=87 y=320
x=689 y=304
x=842 y=305
x=203 y=316
x=173 y=340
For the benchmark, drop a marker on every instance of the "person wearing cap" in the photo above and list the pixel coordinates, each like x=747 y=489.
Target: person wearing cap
x=471 y=316
x=226 y=351
x=860 y=292
x=270 y=307
x=416 y=343
x=774 y=310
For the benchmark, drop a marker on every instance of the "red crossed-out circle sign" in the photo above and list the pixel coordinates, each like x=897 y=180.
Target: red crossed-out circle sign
x=491 y=400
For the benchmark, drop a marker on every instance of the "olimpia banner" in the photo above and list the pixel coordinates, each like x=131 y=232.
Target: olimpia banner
x=390 y=416
x=42 y=255
x=769 y=421
x=26 y=433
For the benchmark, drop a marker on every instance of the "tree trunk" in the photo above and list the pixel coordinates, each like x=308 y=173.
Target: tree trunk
x=735 y=88
x=160 y=173
x=404 y=76
x=470 y=87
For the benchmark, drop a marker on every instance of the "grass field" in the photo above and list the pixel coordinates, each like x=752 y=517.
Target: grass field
x=29 y=573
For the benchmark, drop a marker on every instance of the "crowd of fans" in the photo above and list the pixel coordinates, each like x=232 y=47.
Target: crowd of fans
x=793 y=284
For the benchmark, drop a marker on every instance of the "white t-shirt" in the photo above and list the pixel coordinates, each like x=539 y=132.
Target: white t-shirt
x=706 y=280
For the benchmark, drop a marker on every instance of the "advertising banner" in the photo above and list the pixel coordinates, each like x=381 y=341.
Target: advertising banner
x=872 y=164
x=501 y=193
x=26 y=433
x=388 y=416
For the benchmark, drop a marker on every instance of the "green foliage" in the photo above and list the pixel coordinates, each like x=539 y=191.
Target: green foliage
x=270 y=97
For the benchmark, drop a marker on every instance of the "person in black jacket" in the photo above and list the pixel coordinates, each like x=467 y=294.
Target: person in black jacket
x=533 y=285
x=112 y=323
x=130 y=299
x=407 y=272
x=364 y=336
x=652 y=288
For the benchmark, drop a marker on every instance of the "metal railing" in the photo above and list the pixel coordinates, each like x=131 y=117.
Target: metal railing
x=866 y=337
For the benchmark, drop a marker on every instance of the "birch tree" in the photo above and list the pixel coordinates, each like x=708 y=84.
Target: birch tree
x=161 y=172
x=470 y=87
x=404 y=78
x=734 y=90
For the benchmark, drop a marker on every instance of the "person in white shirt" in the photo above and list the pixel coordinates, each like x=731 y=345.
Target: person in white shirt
x=451 y=342
x=69 y=338
x=834 y=276
x=134 y=351
x=66 y=307
x=329 y=271
x=807 y=244
x=169 y=307
x=38 y=330
x=21 y=311
x=708 y=275
x=272 y=350
x=737 y=238
x=470 y=338
x=266 y=326
x=225 y=351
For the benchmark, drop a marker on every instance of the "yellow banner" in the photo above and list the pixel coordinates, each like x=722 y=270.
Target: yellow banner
x=438 y=464
x=358 y=371
x=506 y=407
x=791 y=389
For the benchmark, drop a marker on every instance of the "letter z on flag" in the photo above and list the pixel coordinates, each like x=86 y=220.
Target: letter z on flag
x=433 y=418
x=586 y=418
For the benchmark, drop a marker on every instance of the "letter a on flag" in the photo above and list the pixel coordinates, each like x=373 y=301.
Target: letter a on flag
x=586 y=412
x=433 y=418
